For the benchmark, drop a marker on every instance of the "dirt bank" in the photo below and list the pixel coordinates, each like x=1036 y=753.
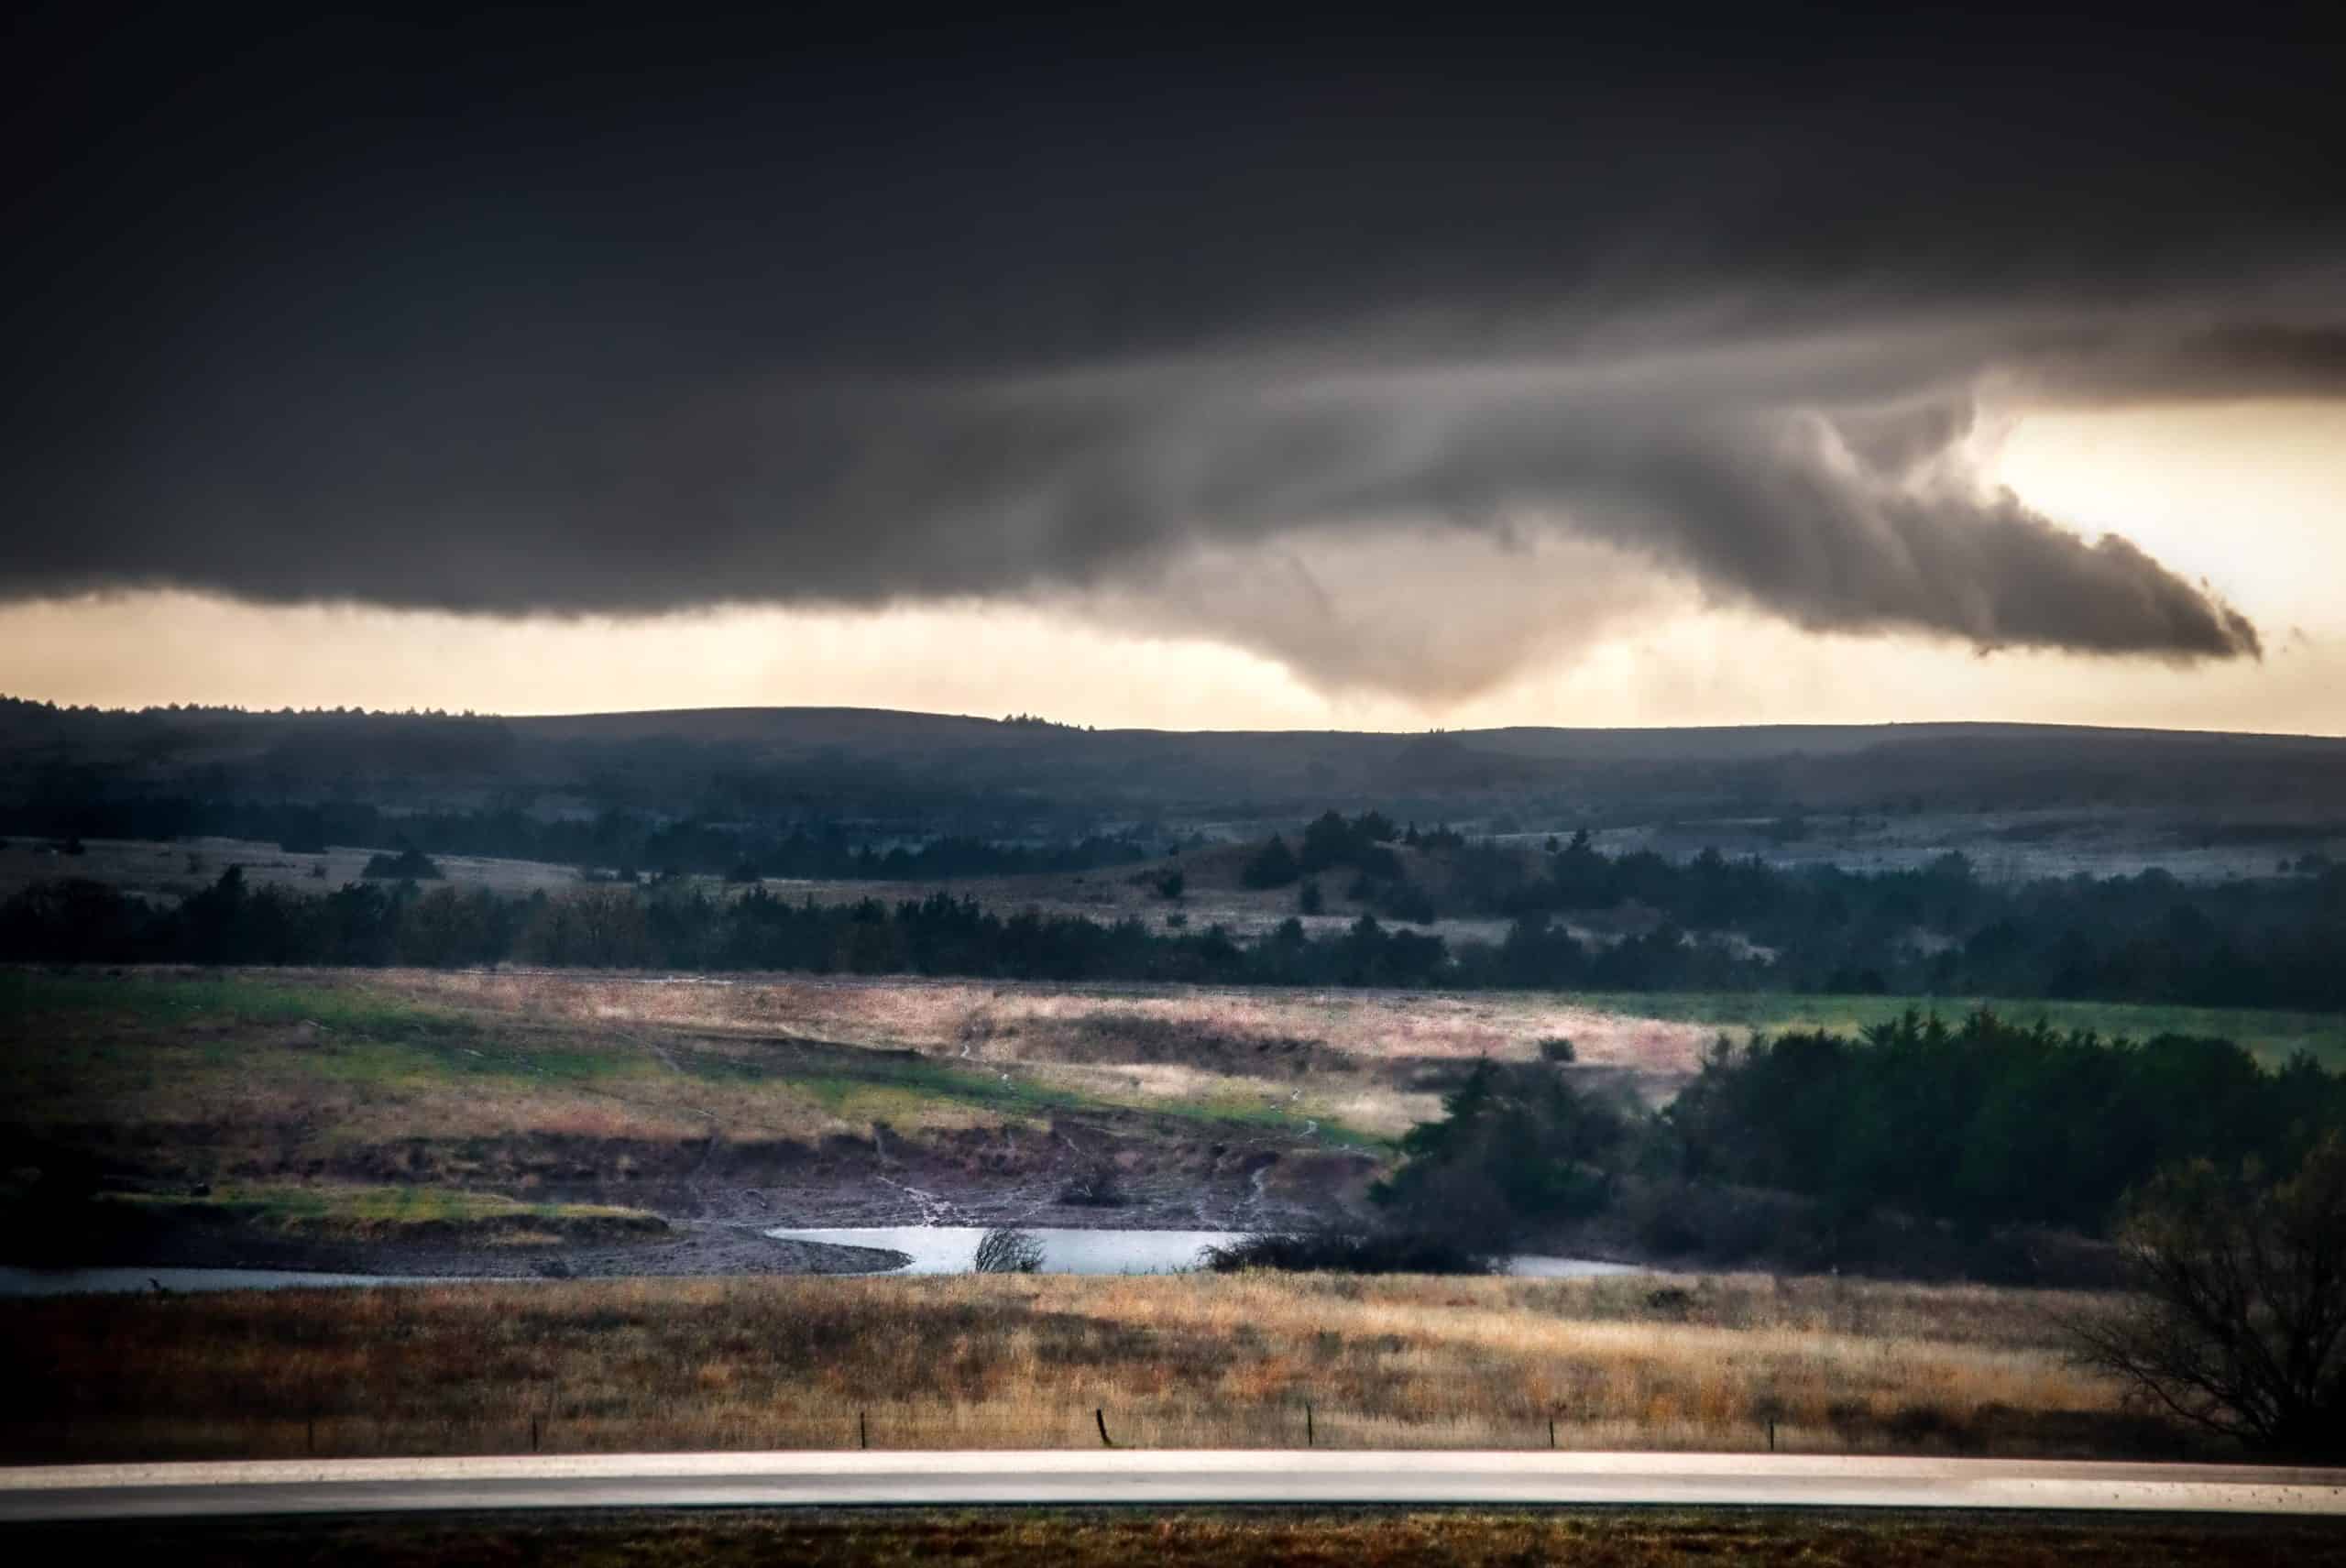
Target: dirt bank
x=104 y=1235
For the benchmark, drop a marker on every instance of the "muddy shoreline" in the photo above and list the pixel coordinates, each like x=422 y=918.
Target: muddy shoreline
x=717 y=1196
x=711 y=1230
x=720 y=1230
x=690 y=1247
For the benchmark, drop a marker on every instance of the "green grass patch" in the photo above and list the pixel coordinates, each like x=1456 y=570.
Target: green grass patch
x=218 y=1000
x=99 y=1038
x=1269 y=1116
x=419 y=1063
x=859 y=1091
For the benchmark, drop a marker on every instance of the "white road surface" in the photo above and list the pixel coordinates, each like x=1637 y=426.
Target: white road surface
x=1151 y=1477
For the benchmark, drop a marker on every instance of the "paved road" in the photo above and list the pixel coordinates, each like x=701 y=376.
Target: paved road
x=855 y=1478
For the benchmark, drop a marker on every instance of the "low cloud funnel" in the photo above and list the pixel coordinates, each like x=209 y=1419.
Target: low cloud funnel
x=1722 y=469
x=1411 y=363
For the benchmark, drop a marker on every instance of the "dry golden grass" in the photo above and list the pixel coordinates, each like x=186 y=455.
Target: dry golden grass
x=910 y=1011
x=977 y=1361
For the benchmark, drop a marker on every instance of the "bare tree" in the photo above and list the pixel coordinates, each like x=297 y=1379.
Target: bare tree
x=2238 y=1321
x=1004 y=1250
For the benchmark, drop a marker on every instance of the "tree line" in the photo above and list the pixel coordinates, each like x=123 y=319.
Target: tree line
x=1973 y=1125
x=1988 y=1122
x=364 y=923
x=1704 y=923
x=1710 y=922
x=622 y=842
x=2048 y=949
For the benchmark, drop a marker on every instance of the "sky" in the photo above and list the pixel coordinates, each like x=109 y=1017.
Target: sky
x=1705 y=366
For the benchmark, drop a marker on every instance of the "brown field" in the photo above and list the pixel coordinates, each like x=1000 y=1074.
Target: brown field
x=995 y=1360
x=1210 y=1538
x=1371 y=1059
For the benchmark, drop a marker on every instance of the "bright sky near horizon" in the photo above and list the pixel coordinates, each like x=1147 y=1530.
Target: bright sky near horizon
x=2249 y=496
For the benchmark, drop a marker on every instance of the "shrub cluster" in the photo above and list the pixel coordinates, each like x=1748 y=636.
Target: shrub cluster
x=1973 y=1125
x=1349 y=1252
x=1986 y=1122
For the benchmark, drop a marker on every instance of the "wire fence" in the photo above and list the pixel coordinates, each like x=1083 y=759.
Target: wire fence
x=555 y=1428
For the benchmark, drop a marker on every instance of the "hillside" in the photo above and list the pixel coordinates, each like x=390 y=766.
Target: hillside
x=939 y=769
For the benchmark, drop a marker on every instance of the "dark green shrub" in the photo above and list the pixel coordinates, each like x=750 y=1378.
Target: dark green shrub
x=1273 y=865
x=1377 y=1251
x=411 y=864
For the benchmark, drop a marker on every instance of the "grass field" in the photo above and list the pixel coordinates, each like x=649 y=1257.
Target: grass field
x=514 y=1079
x=1212 y=1538
x=1008 y=1362
x=399 y=1077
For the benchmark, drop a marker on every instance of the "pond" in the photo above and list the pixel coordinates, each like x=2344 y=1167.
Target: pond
x=953 y=1249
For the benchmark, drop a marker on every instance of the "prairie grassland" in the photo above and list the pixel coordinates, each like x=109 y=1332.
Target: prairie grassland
x=1208 y=1538
x=404 y=1075
x=994 y=1360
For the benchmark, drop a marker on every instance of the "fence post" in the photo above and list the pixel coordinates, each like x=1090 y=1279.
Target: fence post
x=1772 y=1437
x=1311 y=1437
x=533 y=1434
x=1551 y=1431
x=862 y=1432
x=1100 y=1415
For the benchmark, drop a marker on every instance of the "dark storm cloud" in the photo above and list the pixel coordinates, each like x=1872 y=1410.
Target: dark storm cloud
x=508 y=320
x=870 y=493
x=2244 y=359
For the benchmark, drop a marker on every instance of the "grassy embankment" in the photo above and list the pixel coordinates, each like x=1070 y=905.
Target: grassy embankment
x=1214 y=1537
x=276 y=1076
x=997 y=1361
